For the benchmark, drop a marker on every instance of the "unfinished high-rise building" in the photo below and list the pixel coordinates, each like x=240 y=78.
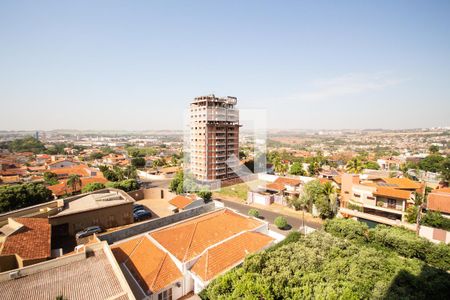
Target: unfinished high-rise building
x=214 y=137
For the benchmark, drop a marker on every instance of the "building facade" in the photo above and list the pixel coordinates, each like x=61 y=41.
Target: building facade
x=214 y=138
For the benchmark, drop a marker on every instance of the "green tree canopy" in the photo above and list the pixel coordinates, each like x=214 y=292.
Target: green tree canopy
x=93 y=186
x=50 y=178
x=17 y=196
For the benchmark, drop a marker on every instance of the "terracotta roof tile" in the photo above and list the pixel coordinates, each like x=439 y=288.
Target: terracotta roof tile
x=403 y=183
x=152 y=267
x=228 y=254
x=288 y=181
x=190 y=238
x=32 y=241
x=275 y=186
x=439 y=201
x=392 y=192
x=181 y=201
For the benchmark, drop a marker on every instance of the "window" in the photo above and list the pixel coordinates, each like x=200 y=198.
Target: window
x=165 y=295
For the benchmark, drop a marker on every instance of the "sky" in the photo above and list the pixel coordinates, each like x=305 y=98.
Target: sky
x=136 y=65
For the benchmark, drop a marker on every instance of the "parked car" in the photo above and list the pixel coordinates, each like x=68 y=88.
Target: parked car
x=137 y=207
x=141 y=215
x=88 y=231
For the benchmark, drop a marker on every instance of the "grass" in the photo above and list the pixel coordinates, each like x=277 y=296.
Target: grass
x=239 y=190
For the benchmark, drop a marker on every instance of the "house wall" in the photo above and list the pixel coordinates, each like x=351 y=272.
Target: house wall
x=106 y=217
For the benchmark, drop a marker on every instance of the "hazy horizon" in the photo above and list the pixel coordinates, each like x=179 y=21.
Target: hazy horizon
x=136 y=65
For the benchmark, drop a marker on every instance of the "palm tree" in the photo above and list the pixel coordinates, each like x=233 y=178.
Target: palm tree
x=354 y=166
x=330 y=193
x=73 y=181
x=302 y=203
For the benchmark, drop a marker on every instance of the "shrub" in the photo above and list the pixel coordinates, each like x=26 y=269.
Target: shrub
x=280 y=222
x=127 y=185
x=400 y=240
x=205 y=195
x=93 y=186
x=436 y=220
x=253 y=212
x=320 y=266
x=348 y=229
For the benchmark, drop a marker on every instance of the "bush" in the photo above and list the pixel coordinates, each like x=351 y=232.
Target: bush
x=23 y=195
x=436 y=220
x=93 y=186
x=348 y=229
x=253 y=212
x=280 y=222
x=320 y=266
x=127 y=185
x=205 y=195
x=400 y=240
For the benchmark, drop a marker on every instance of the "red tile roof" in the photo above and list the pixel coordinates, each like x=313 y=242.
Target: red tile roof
x=228 y=254
x=61 y=188
x=275 y=186
x=152 y=267
x=439 y=201
x=403 y=183
x=181 y=201
x=392 y=192
x=190 y=238
x=288 y=181
x=32 y=241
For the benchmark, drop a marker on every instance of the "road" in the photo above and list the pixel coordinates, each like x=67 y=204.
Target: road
x=268 y=215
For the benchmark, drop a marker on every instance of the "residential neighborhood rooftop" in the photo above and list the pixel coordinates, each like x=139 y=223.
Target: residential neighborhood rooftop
x=190 y=238
x=29 y=238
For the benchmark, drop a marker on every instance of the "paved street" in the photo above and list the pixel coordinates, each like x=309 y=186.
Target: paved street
x=268 y=215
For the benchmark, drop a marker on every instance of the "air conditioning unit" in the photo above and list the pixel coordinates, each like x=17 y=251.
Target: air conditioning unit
x=14 y=275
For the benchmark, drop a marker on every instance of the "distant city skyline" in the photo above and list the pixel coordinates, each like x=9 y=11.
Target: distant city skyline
x=137 y=65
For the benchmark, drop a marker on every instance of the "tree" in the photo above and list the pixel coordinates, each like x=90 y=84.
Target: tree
x=138 y=162
x=300 y=203
x=327 y=205
x=96 y=155
x=130 y=172
x=93 y=186
x=126 y=185
x=434 y=149
x=205 y=195
x=354 y=166
x=74 y=181
x=313 y=168
x=432 y=163
x=280 y=167
x=23 y=195
x=445 y=170
x=371 y=165
x=26 y=144
x=436 y=220
x=297 y=169
x=253 y=212
x=280 y=222
x=50 y=178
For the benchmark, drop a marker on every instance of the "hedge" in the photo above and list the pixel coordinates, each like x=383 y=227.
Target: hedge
x=401 y=240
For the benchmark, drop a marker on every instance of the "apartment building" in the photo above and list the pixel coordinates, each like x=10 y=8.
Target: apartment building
x=214 y=137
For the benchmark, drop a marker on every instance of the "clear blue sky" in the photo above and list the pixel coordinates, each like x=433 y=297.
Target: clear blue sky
x=137 y=64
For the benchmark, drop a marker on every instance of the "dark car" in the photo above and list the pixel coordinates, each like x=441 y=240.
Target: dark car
x=137 y=207
x=141 y=215
x=88 y=231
